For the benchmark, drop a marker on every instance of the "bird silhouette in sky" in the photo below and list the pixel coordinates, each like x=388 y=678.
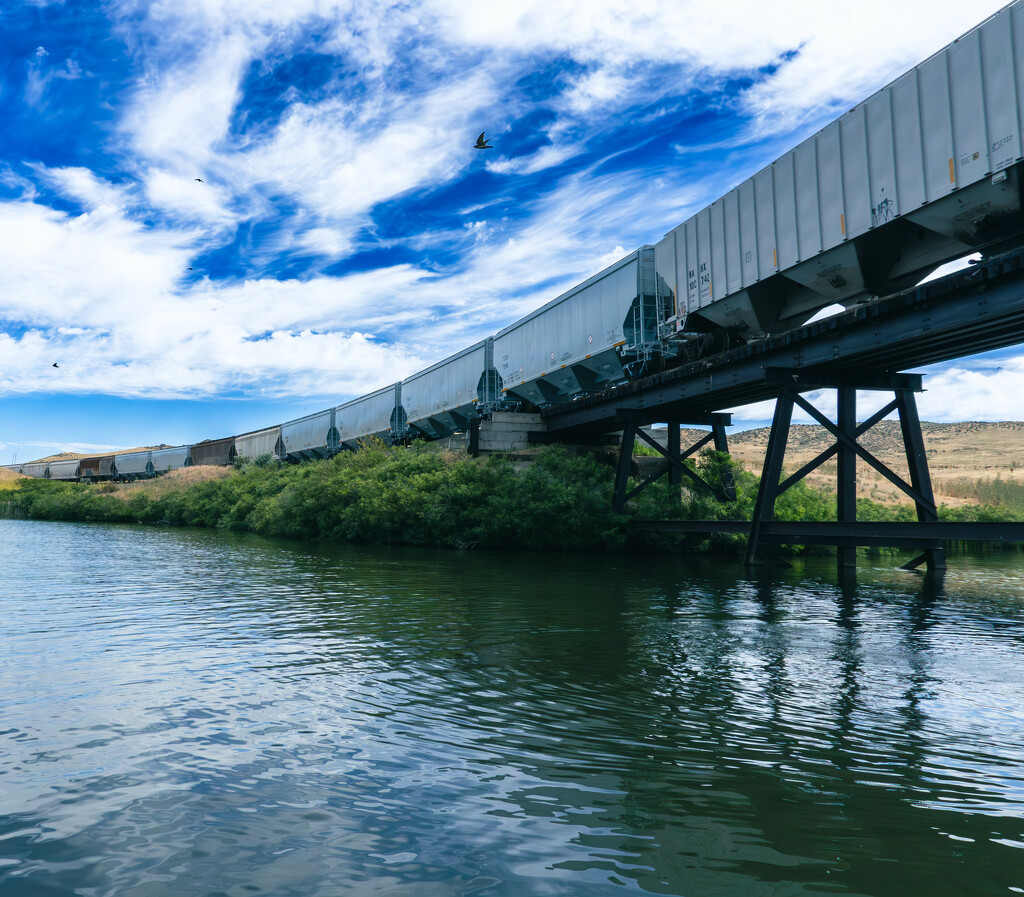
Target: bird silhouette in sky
x=56 y=365
x=191 y=269
x=481 y=143
x=201 y=181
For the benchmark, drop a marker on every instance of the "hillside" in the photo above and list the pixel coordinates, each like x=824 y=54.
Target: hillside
x=67 y=456
x=959 y=455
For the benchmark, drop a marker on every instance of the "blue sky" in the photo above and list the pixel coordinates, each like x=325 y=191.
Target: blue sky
x=345 y=233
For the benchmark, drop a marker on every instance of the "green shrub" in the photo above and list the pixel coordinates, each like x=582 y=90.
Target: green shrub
x=426 y=496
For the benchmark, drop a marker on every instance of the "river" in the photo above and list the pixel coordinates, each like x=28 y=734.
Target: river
x=186 y=712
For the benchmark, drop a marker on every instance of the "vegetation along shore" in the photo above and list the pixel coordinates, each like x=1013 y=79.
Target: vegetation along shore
x=558 y=499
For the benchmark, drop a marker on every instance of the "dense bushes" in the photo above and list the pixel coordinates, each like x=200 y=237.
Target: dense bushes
x=422 y=495
x=413 y=495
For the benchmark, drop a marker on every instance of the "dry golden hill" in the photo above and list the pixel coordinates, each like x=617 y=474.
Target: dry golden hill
x=968 y=451
x=67 y=456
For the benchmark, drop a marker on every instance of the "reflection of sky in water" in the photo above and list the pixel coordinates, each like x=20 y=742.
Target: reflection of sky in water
x=187 y=712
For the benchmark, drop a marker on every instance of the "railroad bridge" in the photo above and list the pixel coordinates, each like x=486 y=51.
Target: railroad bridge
x=870 y=347
x=925 y=171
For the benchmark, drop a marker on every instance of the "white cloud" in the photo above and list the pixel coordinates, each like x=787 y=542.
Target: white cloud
x=178 y=117
x=545 y=157
x=85 y=187
x=991 y=393
x=599 y=87
x=186 y=199
x=111 y=296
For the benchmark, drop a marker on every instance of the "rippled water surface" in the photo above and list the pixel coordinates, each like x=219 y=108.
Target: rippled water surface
x=195 y=713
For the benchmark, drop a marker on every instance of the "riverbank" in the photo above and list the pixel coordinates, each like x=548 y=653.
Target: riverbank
x=424 y=495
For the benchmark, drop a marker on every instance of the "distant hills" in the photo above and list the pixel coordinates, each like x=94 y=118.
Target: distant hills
x=960 y=456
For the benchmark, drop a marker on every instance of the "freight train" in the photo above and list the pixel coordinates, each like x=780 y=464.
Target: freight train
x=925 y=171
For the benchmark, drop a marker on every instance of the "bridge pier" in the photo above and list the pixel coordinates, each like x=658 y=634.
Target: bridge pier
x=791 y=384
x=672 y=452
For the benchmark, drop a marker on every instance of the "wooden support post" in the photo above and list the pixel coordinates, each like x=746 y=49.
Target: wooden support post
x=764 y=506
x=846 y=472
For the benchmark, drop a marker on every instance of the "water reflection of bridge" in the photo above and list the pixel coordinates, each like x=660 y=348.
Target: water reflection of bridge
x=866 y=348
x=717 y=730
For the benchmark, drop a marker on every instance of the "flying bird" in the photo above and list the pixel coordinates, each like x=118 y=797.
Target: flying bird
x=56 y=365
x=201 y=181
x=191 y=269
x=481 y=143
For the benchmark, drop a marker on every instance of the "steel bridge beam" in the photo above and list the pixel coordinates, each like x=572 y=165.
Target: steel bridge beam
x=672 y=453
x=858 y=533
x=961 y=314
x=848 y=450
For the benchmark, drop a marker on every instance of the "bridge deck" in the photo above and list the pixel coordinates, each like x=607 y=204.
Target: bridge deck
x=976 y=310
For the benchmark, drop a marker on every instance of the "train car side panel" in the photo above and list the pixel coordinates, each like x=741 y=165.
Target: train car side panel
x=764 y=199
x=132 y=464
x=936 y=127
x=831 y=213
x=716 y=231
x=259 y=442
x=689 y=267
x=856 y=196
x=910 y=169
x=784 y=190
x=884 y=199
x=808 y=207
x=747 y=227
x=1017 y=46
x=64 y=470
x=731 y=232
x=665 y=264
x=214 y=451
x=310 y=436
x=171 y=458
x=369 y=415
x=1001 y=113
x=967 y=104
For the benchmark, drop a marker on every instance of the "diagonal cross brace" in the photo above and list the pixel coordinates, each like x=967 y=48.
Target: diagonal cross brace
x=814 y=464
x=677 y=464
x=920 y=499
